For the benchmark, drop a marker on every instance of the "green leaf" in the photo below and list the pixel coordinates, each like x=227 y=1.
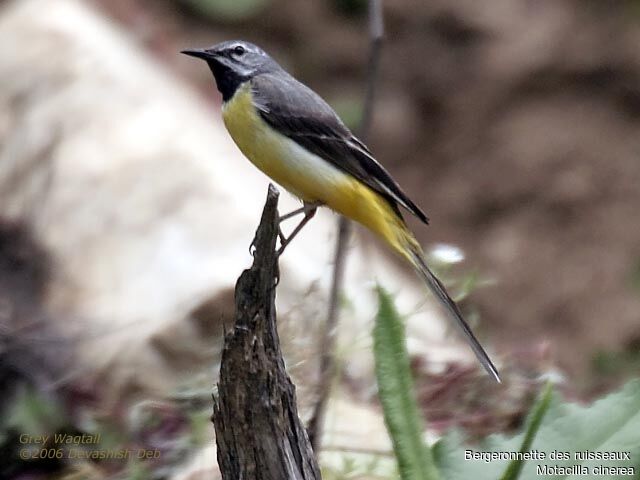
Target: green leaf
x=33 y=413
x=395 y=388
x=611 y=424
x=228 y=10
x=468 y=285
x=534 y=421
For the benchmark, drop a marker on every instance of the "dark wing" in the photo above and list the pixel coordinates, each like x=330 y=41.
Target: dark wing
x=299 y=113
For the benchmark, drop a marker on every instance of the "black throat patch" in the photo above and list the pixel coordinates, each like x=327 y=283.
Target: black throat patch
x=227 y=80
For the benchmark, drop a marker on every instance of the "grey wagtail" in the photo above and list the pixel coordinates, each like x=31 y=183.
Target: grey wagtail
x=291 y=134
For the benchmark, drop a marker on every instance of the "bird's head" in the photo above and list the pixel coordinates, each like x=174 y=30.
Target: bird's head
x=233 y=63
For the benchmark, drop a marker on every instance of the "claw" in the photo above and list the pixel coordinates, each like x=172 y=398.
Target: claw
x=308 y=215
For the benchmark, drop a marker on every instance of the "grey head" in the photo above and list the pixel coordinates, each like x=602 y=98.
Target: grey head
x=234 y=62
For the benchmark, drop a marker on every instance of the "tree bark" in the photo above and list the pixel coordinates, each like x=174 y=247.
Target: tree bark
x=258 y=432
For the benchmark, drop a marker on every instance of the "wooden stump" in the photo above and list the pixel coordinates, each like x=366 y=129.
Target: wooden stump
x=258 y=432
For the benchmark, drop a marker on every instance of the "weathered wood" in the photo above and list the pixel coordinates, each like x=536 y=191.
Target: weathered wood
x=258 y=432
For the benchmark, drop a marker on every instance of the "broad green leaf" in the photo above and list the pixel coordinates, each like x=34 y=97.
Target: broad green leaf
x=611 y=424
x=395 y=388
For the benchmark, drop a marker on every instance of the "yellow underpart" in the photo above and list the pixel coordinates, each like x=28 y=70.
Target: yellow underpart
x=310 y=177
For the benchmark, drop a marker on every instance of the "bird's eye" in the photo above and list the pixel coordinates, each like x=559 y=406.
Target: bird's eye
x=238 y=50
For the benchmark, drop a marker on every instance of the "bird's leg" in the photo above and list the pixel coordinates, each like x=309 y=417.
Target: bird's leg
x=293 y=213
x=309 y=210
x=306 y=207
x=286 y=241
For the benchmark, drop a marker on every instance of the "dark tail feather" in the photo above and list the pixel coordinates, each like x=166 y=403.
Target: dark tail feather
x=439 y=291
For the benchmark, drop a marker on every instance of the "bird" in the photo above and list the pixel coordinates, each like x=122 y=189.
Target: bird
x=290 y=133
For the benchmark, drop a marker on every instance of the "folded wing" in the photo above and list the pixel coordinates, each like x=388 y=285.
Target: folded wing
x=300 y=114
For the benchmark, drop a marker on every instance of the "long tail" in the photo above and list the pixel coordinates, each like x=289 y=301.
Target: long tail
x=379 y=215
x=454 y=312
x=409 y=248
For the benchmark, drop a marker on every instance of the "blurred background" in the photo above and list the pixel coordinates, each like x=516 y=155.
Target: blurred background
x=515 y=124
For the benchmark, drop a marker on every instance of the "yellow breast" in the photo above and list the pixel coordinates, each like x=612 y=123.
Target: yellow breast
x=265 y=148
x=303 y=173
